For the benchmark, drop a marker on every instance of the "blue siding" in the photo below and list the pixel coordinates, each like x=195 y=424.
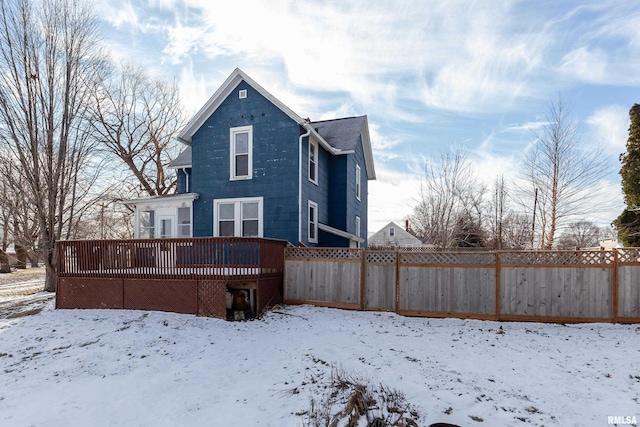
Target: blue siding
x=355 y=206
x=318 y=193
x=275 y=163
x=182 y=182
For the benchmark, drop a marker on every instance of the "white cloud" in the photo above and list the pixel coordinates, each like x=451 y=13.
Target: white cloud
x=392 y=197
x=585 y=65
x=609 y=126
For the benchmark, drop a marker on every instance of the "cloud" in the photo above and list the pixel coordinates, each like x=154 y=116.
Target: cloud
x=392 y=196
x=585 y=65
x=609 y=126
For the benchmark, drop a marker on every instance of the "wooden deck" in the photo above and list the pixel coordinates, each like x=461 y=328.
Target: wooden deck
x=194 y=276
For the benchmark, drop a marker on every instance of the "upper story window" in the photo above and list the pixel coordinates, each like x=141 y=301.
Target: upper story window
x=392 y=231
x=241 y=152
x=313 y=162
x=238 y=217
x=313 y=222
x=358 y=184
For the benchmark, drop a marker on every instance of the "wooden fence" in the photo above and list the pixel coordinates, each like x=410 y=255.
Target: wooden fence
x=553 y=286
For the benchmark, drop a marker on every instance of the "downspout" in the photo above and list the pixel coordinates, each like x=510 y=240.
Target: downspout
x=186 y=179
x=300 y=184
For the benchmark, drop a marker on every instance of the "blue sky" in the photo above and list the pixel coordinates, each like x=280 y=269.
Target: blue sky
x=429 y=74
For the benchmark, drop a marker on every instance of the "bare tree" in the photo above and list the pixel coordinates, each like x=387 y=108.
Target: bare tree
x=48 y=55
x=580 y=234
x=497 y=209
x=449 y=191
x=136 y=119
x=516 y=231
x=560 y=174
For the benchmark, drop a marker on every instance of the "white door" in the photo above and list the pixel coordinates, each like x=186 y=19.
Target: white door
x=165 y=224
x=165 y=231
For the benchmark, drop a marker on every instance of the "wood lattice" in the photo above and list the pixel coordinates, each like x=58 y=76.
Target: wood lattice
x=558 y=258
x=447 y=258
x=323 y=253
x=212 y=298
x=629 y=255
x=376 y=257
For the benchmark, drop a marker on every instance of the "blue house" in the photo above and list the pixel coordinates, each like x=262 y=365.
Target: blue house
x=252 y=167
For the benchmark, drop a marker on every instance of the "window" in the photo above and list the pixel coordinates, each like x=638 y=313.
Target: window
x=238 y=217
x=392 y=231
x=184 y=222
x=313 y=162
x=358 y=228
x=166 y=227
x=357 y=182
x=241 y=152
x=242 y=94
x=147 y=225
x=313 y=222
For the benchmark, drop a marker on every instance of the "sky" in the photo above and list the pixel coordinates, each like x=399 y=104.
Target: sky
x=132 y=368
x=430 y=75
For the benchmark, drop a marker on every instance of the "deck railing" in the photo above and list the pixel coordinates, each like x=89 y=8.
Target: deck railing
x=192 y=258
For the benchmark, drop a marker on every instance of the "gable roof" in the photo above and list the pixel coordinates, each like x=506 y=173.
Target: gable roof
x=401 y=237
x=344 y=134
x=183 y=160
x=238 y=76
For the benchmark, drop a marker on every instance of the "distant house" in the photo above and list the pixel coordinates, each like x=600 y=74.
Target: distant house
x=253 y=167
x=394 y=235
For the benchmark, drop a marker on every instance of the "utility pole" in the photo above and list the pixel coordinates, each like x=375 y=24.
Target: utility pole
x=533 y=227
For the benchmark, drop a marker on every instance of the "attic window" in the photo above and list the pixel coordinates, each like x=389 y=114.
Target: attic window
x=242 y=94
x=392 y=231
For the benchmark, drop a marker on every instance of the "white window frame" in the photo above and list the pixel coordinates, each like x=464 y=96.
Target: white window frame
x=152 y=228
x=237 y=216
x=358 y=182
x=312 y=222
x=358 y=228
x=313 y=149
x=181 y=227
x=242 y=93
x=232 y=152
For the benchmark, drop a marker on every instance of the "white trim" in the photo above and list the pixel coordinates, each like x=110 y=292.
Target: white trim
x=358 y=228
x=358 y=182
x=220 y=95
x=225 y=90
x=339 y=233
x=368 y=154
x=313 y=147
x=232 y=152
x=242 y=94
x=237 y=217
x=313 y=221
x=300 y=139
x=162 y=199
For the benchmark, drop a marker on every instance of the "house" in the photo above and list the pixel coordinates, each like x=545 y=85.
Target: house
x=253 y=167
x=394 y=235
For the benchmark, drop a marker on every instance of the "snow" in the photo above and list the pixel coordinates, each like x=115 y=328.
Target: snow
x=136 y=368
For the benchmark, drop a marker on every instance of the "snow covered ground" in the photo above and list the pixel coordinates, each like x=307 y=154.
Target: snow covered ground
x=135 y=368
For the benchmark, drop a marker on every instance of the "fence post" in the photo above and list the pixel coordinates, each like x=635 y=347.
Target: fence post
x=363 y=280
x=615 y=286
x=497 y=285
x=398 y=280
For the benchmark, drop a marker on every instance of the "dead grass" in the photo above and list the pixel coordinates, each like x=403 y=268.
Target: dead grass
x=17 y=276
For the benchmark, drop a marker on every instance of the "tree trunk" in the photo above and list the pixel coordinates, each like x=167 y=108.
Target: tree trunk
x=5 y=267
x=51 y=265
x=21 y=257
